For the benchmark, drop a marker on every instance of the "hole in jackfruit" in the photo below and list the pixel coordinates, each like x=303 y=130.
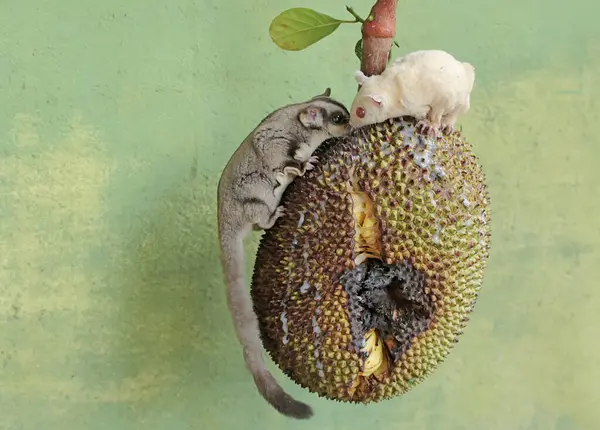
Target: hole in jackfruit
x=388 y=306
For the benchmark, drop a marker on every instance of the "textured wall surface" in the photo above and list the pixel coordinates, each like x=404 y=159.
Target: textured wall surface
x=115 y=120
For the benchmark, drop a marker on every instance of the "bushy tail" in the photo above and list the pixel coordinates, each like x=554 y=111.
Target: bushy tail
x=247 y=331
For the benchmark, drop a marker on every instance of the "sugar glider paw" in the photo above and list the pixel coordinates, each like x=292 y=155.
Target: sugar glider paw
x=280 y=176
x=310 y=164
x=290 y=170
x=279 y=212
x=448 y=129
x=427 y=128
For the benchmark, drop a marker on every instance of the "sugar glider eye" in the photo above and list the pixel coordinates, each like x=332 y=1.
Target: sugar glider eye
x=338 y=118
x=360 y=112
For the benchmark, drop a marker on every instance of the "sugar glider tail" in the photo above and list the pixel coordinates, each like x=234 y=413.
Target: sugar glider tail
x=246 y=327
x=272 y=392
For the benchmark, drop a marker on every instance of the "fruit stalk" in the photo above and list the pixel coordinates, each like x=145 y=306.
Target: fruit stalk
x=378 y=32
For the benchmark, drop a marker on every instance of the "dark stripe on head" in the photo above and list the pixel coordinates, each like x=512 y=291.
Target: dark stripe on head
x=333 y=102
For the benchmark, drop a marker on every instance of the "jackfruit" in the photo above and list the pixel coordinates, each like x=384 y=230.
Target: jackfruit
x=365 y=285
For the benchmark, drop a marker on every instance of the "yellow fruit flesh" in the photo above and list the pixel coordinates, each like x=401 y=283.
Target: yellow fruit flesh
x=367 y=245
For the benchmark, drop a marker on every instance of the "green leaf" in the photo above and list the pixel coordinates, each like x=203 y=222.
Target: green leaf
x=358 y=49
x=298 y=28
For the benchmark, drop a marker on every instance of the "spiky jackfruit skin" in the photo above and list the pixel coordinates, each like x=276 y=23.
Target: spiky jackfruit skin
x=430 y=233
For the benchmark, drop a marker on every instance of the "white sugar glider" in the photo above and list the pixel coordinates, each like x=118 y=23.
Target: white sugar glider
x=429 y=85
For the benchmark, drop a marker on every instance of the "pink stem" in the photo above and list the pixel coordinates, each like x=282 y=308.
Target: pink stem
x=378 y=33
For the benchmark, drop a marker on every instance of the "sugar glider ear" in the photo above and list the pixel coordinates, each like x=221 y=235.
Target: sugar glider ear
x=311 y=117
x=376 y=98
x=360 y=77
x=326 y=93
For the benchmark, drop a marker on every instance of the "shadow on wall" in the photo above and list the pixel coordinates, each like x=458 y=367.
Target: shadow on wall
x=176 y=339
x=173 y=310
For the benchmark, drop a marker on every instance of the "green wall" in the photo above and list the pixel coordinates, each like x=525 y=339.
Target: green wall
x=115 y=120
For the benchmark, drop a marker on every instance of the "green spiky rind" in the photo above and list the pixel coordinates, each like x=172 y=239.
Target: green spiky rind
x=433 y=212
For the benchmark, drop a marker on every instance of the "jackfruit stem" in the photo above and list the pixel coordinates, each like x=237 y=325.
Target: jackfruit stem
x=378 y=32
